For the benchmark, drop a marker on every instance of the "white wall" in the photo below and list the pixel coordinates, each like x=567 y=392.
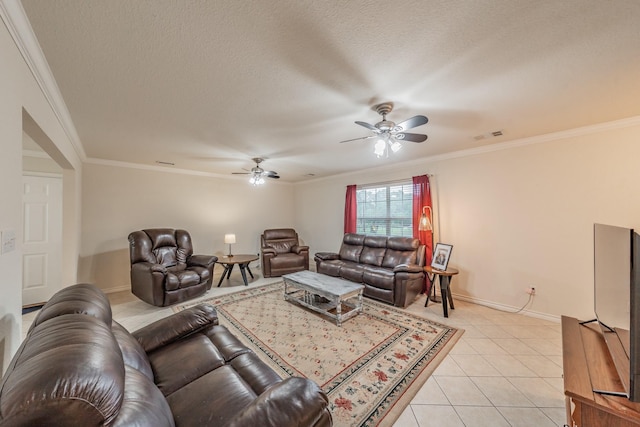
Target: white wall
x=119 y=199
x=22 y=95
x=516 y=217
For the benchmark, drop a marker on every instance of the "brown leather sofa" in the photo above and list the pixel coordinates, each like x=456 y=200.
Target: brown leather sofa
x=390 y=268
x=79 y=367
x=282 y=252
x=164 y=270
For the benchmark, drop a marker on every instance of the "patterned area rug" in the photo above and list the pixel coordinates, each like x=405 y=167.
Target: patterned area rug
x=370 y=368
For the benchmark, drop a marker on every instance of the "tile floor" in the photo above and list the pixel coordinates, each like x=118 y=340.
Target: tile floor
x=506 y=370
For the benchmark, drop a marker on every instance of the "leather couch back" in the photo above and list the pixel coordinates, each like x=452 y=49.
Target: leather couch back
x=382 y=251
x=71 y=369
x=164 y=246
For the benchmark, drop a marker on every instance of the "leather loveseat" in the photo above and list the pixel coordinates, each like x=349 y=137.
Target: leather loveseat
x=79 y=367
x=390 y=268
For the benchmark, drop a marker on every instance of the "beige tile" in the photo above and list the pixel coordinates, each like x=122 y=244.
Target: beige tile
x=493 y=331
x=501 y=392
x=430 y=394
x=475 y=365
x=462 y=347
x=558 y=415
x=514 y=346
x=541 y=365
x=526 y=417
x=481 y=416
x=540 y=392
x=436 y=415
x=545 y=346
x=485 y=346
x=509 y=366
x=449 y=368
x=462 y=391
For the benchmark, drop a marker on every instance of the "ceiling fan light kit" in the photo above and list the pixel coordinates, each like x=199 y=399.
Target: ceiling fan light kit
x=258 y=174
x=389 y=134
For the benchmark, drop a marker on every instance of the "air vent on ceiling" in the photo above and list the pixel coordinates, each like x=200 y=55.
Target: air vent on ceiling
x=493 y=134
x=160 y=162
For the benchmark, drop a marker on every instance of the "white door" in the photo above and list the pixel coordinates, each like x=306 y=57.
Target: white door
x=42 y=238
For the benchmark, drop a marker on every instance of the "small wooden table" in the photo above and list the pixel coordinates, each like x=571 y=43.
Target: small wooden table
x=445 y=281
x=242 y=260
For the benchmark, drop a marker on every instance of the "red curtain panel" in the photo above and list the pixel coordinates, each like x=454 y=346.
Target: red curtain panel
x=350 y=210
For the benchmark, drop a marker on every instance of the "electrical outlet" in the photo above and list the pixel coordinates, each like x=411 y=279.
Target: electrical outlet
x=531 y=291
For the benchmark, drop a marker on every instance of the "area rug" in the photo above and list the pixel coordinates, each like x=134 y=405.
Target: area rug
x=370 y=367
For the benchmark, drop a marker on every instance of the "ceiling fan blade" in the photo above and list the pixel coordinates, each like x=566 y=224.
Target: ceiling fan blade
x=368 y=126
x=359 y=139
x=240 y=173
x=270 y=174
x=413 y=122
x=411 y=137
x=273 y=176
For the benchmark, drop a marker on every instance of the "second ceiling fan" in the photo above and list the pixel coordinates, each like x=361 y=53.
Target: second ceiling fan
x=390 y=134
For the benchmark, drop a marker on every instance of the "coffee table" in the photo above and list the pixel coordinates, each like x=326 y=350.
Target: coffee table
x=324 y=294
x=242 y=260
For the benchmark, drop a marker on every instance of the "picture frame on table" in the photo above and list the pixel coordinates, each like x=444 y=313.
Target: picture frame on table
x=441 y=255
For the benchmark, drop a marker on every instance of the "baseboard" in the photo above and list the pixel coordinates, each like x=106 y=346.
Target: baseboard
x=507 y=308
x=116 y=289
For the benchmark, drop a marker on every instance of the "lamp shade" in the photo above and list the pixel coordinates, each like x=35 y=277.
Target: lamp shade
x=426 y=221
x=229 y=238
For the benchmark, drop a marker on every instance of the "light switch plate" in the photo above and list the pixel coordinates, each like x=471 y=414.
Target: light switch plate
x=8 y=241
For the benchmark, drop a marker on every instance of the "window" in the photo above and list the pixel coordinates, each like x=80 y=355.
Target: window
x=385 y=209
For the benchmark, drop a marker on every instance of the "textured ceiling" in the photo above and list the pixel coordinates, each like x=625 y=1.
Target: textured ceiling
x=209 y=84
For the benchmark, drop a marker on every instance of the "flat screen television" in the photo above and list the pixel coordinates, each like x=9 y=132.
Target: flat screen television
x=617 y=301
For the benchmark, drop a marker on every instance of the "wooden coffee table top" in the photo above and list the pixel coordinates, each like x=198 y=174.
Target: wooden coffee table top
x=237 y=259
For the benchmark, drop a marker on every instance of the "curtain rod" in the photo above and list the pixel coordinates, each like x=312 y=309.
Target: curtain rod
x=396 y=181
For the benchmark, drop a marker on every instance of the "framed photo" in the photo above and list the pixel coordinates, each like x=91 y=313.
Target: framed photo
x=441 y=255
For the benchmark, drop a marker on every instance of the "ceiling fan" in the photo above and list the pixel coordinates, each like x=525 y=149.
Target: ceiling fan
x=388 y=133
x=258 y=174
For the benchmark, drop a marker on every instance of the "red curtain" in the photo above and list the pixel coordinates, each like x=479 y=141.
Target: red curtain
x=350 y=210
x=421 y=198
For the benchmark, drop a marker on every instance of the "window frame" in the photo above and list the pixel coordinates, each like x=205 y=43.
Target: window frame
x=371 y=224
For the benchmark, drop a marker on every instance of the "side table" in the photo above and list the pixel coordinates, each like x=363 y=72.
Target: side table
x=445 y=281
x=242 y=260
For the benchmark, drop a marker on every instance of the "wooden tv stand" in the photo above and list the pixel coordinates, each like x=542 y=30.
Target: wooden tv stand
x=588 y=366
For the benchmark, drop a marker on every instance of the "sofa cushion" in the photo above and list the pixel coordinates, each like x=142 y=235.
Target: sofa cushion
x=352 y=271
x=351 y=247
x=330 y=268
x=400 y=250
x=287 y=260
x=181 y=279
x=133 y=354
x=82 y=298
x=143 y=404
x=373 y=250
x=379 y=277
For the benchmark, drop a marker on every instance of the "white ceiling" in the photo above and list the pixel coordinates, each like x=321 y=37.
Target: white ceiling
x=210 y=84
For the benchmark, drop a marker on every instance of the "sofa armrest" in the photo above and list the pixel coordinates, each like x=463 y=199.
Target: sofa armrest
x=205 y=261
x=176 y=326
x=326 y=256
x=299 y=249
x=293 y=402
x=408 y=268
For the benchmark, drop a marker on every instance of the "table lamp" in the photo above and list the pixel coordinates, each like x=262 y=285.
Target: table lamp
x=229 y=239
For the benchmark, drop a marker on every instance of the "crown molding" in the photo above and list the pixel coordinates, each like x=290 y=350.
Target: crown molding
x=538 y=139
x=168 y=169
x=17 y=23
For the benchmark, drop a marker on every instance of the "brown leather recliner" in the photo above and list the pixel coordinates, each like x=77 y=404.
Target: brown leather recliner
x=164 y=270
x=282 y=253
